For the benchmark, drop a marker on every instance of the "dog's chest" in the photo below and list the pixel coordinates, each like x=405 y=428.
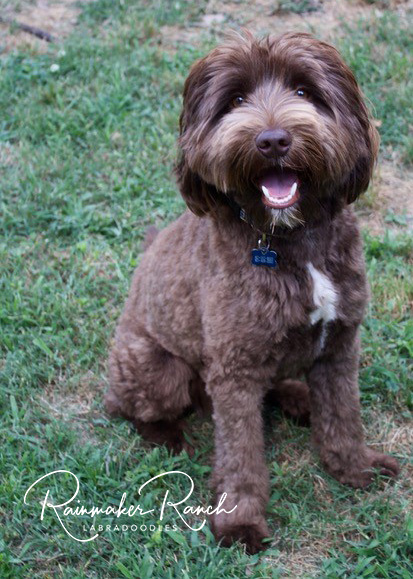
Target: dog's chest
x=325 y=300
x=306 y=337
x=306 y=334
x=324 y=295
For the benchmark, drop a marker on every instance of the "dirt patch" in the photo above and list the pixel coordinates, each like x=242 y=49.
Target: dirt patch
x=266 y=16
x=303 y=561
x=390 y=200
x=79 y=408
x=57 y=17
x=395 y=189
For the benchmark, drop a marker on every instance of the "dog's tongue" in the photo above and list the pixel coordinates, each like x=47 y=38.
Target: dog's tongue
x=279 y=188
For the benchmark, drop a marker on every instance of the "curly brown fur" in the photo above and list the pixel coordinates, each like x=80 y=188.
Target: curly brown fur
x=202 y=326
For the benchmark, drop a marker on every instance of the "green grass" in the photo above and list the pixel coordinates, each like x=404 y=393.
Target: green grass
x=297 y=6
x=86 y=158
x=380 y=52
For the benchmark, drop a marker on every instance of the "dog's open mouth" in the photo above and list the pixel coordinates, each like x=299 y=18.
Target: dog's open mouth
x=280 y=188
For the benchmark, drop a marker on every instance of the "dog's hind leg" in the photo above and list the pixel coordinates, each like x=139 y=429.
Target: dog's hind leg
x=150 y=387
x=293 y=398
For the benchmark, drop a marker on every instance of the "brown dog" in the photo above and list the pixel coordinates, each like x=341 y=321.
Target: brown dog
x=263 y=282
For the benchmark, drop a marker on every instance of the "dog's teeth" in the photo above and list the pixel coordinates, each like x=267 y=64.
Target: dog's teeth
x=278 y=200
x=265 y=191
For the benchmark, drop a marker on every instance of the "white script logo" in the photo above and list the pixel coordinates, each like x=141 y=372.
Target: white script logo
x=62 y=509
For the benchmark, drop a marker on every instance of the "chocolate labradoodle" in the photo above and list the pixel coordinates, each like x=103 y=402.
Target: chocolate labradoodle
x=262 y=281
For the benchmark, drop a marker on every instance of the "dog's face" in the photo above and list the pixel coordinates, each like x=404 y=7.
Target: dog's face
x=280 y=126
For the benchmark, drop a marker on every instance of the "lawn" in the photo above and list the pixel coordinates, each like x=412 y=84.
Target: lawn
x=87 y=146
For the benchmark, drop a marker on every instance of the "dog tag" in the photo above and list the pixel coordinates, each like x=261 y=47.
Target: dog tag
x=264 y=256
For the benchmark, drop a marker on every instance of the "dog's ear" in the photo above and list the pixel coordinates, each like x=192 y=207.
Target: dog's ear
x=200 y=196
x=361 y=175
x=194 y=91
x=350 y=111
x=366 y=138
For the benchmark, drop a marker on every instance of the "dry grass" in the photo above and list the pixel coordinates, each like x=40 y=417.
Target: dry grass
x=57 y=17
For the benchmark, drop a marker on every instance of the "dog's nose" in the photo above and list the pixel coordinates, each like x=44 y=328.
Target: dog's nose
x=273 y=143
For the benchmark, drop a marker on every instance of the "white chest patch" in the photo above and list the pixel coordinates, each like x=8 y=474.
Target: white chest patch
x=325 y=299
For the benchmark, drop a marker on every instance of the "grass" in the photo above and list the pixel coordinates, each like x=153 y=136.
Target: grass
x=298 y=6
x=87 y=149
x=380 y=51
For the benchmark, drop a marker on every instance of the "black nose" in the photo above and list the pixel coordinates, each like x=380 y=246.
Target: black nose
x=273 y=143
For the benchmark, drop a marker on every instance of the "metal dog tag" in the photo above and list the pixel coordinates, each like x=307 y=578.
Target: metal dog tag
x=266 y=257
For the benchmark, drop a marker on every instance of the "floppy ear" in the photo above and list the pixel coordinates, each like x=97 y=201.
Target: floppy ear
x=360 y=176
x=201 y=197
x=366 y=137
x=352 y=113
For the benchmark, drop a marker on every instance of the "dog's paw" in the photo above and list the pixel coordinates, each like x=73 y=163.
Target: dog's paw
x=168 y=433
x=387 y=465
x=179 y=444
x=362 y=471
x=250 y=535
x=293 y=398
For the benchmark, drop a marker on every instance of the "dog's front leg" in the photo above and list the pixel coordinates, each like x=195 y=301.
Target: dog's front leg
x=335 y=414
x=240 y=469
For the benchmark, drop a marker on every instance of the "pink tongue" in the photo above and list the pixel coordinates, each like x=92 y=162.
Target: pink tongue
x=278 y=184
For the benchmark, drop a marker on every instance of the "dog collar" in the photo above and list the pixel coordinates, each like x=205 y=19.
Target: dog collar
x=243 y=216
x=261 y=255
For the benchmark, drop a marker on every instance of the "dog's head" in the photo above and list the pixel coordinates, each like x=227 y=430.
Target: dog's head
x=279 y=125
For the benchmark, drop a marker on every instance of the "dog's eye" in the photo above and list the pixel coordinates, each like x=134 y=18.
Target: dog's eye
x=301 y=92
x=237 y=101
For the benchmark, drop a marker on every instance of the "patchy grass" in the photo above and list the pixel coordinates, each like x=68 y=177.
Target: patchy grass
x=380 y=52
x=87 y=143
x=388 y=328
x=298 y=6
